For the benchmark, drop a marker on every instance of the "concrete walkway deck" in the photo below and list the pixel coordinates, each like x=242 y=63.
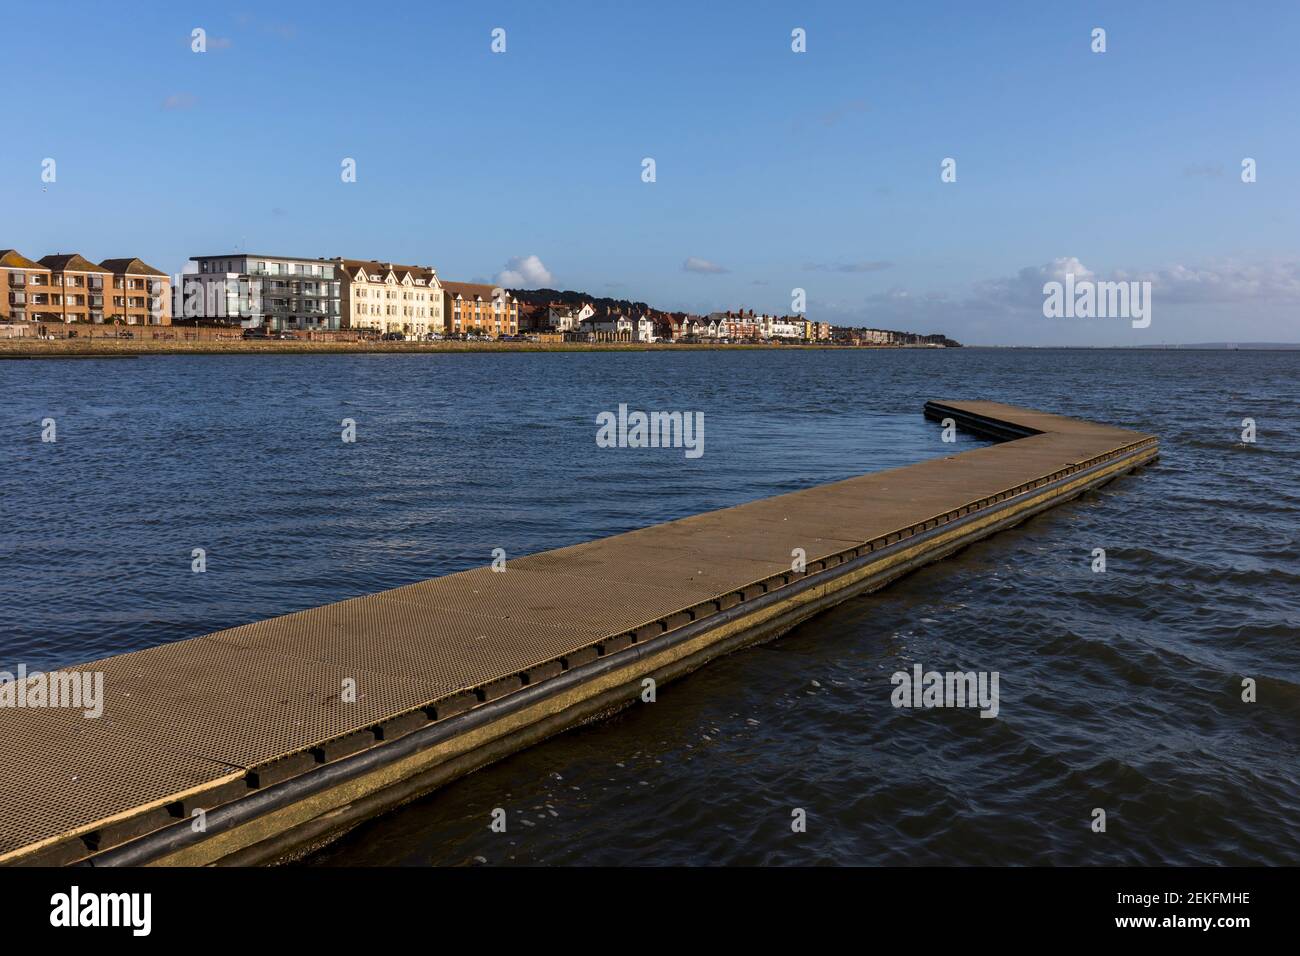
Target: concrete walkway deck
x=251 y=724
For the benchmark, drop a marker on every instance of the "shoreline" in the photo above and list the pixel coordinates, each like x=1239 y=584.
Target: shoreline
x=133 y=348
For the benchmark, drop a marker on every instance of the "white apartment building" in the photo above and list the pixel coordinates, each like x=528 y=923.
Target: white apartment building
x=384 y=297
x=276 y=293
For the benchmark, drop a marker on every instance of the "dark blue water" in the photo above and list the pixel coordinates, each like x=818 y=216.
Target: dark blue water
x=1118 y=690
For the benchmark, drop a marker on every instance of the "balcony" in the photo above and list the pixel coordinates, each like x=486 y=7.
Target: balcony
x=17 y=298
x=17 y=279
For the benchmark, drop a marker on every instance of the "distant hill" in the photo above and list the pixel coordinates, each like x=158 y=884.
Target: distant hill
x=602 y=304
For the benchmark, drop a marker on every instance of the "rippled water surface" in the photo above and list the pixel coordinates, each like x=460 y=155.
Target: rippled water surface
x=1119 y=690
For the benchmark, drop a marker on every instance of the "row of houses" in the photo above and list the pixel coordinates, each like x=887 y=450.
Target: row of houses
x=272 y=293
x=852 y=335
x=284 y=293
x=585 y=323
x=67 y=287
x=281 y=293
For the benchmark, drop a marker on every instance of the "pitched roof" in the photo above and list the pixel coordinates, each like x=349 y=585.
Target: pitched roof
x=135 y=267
x=69 y=262
x=14 y=259
x=372 y=266
x=468 y=290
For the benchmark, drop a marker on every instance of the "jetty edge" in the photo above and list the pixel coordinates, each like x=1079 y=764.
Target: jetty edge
x=242 y=746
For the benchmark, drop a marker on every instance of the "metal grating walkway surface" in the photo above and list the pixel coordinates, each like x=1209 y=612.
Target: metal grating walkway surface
x=188 y=715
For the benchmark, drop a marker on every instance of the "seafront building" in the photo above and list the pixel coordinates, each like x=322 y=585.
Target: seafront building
x=388 y=298
x=562 y=318
x=274 y=293
x=21 y=280
x=852 y=335
x=69 y=288
x=472 y=309
x=140 y=294
x=76 y=290
x=614 y=326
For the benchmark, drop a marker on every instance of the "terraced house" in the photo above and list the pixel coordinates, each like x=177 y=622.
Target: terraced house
x=70 y=288
x=389 y=298
x=76 y=290
x=470 y=309
x=21 y=279
x=140 y=294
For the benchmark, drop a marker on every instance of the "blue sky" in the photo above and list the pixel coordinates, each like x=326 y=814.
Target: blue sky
x=817 y=170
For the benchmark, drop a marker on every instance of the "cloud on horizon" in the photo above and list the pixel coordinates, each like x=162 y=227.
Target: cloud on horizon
x=525 y=272
x=702 y=266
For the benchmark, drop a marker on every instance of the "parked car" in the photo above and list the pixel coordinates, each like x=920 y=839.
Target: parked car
x=394 y=337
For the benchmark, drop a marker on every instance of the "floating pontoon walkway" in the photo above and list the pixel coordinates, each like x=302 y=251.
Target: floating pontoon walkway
x=251 y=725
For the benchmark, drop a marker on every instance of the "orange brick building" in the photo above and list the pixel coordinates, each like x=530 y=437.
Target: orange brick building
x=469 y=309
x=70 y=288
x=140 y=294
x=20 y=280
x=76 y=290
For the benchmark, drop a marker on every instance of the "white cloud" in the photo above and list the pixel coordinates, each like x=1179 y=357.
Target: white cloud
x=696 y=264
x=524 y=272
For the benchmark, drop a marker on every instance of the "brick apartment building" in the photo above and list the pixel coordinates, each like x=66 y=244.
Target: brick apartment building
x=76 y=290
x=139 y=293
x=469 y=309
x=21 y=279
x=70 y=288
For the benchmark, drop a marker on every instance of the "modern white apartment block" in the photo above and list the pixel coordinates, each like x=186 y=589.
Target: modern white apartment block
x=275 y=293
